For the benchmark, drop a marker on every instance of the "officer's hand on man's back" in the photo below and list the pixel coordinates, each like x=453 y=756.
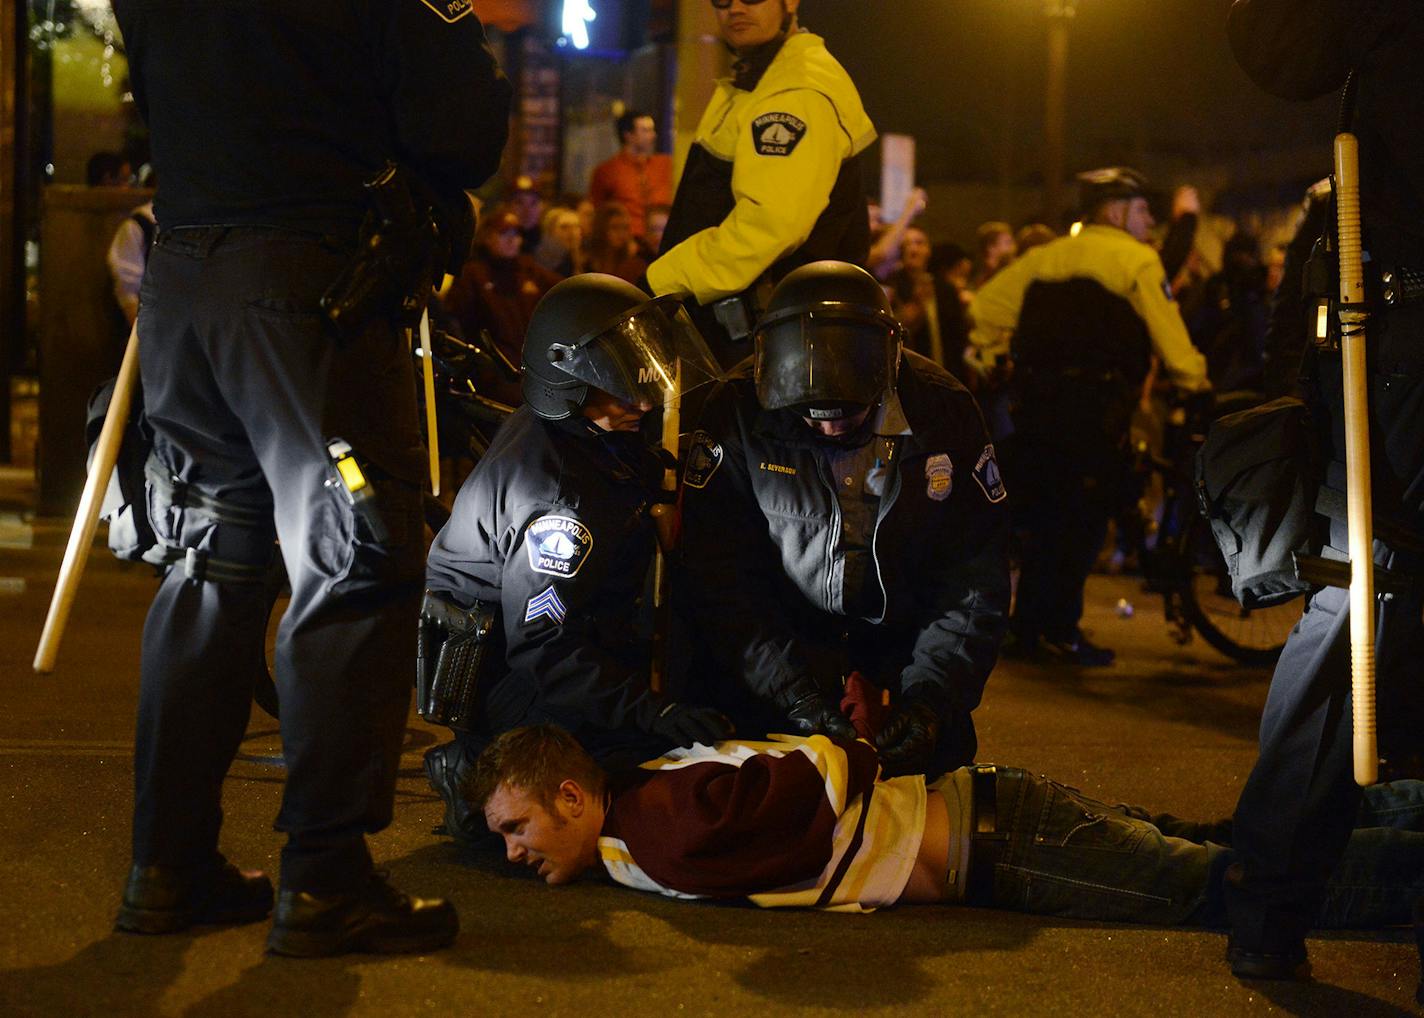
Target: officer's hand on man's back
x=685 y=724
x=812 y=713
x=908 y=741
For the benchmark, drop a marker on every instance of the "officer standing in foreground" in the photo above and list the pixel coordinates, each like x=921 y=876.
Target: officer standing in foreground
x=551 y=536
x=1295 y=813
x=843 y=512
x=267 y=117
x=773 y=179
x=1085 y=313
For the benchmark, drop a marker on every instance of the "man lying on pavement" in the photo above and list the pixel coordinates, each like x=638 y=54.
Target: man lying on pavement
x=806 y=821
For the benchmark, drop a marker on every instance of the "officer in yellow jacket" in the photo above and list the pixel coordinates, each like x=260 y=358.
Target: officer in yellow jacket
x=1086 y=314
x=773 y=179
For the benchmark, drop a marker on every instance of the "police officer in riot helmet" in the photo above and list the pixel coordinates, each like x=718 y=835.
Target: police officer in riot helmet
x=843 y=513
x=550 y=540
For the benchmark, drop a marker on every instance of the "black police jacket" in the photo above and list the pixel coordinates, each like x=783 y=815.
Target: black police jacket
x=274 y=112
x=552 y=527
x=760 y=540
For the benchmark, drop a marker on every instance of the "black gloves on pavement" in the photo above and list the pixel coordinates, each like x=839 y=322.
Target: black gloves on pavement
x=684 y=724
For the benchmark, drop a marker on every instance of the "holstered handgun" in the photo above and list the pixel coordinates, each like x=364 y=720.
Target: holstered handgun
x=398 y=261
x=453 y=645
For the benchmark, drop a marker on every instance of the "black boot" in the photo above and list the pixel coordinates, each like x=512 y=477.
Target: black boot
x=445 y=768
x=377 y=919
x=166 y=899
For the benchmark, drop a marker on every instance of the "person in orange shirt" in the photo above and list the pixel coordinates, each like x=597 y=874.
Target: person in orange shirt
x=637 y=177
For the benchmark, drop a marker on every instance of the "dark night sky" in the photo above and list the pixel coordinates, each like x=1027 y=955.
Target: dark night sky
x=1150 y=82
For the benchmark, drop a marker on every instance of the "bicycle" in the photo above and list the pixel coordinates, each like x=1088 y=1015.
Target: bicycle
x=1179 y=556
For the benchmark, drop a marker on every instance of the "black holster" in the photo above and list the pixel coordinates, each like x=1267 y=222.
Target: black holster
x=453 y=651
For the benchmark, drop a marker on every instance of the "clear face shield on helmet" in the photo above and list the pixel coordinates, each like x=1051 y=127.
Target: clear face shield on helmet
x=831 y=357
x=650 y=356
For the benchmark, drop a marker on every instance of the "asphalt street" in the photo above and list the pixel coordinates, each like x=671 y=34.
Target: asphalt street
x=1171 y=727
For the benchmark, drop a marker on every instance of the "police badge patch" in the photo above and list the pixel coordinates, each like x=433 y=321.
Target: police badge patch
x=703 y=459
x=939 y=476
x=777 y=134
x=558 y=545
x=450 y=11
x=547 y=605
x=986 y=474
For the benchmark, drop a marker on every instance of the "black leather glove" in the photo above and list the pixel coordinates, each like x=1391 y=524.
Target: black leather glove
x=907 y=742
x=683 y=724
x=811 y=713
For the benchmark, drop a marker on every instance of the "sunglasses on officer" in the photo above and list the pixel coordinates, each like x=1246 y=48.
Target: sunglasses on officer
x=722 y=5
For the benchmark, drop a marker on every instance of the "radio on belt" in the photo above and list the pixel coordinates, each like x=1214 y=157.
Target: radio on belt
x=351 y=481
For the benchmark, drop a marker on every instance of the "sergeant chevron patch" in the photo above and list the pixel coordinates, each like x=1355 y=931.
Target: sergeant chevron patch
x=546 y=606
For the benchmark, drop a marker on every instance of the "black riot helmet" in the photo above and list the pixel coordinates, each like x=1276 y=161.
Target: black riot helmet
x=598 y=331
x=828 y=345
x=1111 y=183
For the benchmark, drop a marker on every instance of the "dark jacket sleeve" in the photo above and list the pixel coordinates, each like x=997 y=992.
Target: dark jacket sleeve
x=1303 y=49
x=732 y=580
x=449 y=98
x=967 y=599
x=557 y=642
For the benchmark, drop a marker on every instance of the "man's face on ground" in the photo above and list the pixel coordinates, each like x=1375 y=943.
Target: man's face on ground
x=560 y=843
x=641 y=139
x=744 y=25
x=610 y=413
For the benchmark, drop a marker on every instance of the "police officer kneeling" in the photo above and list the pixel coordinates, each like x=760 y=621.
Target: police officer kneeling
x=843 y=512
x=534 y=584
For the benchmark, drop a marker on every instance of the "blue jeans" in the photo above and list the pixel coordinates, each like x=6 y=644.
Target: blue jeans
x=1071 y=855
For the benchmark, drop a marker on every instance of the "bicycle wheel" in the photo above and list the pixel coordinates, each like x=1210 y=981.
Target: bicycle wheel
x=1251 y=636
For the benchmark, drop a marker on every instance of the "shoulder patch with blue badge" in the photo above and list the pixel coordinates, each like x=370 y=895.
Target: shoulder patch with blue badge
x=547 y=605
x=939 y=476
x=777 y=134
x=557 y=545
x=450 y=11
x=703 y=458
x=988 y=477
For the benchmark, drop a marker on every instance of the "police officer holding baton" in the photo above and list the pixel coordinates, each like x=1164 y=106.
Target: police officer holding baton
x=270 y=422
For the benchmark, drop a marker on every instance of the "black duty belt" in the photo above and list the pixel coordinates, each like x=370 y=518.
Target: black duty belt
x=988 y=845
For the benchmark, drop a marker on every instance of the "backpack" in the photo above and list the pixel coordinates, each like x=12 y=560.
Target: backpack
x=1257 y=478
